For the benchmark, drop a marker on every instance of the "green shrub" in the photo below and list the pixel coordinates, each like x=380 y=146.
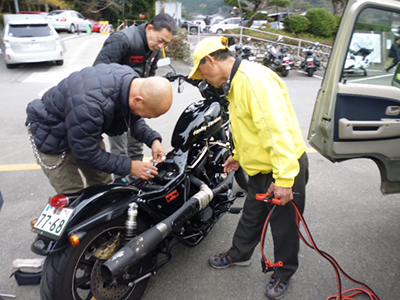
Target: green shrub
x=179 y=47
x=322 y=22
x=372 y=27
x=296 y=24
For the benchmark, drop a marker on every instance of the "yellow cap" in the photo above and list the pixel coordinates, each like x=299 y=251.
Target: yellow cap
x=205 y=47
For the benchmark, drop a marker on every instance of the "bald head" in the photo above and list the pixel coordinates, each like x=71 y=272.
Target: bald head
x=150 y=97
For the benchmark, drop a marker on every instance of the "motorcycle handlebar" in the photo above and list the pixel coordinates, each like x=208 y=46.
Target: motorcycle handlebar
x=172 y=76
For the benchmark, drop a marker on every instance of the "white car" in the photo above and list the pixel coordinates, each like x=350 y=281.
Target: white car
x=30 y=38
x=230 y=23
x=356 y=118
x=68 y=20
x=257 y=24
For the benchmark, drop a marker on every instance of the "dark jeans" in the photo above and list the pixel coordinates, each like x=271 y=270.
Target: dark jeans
x=283 y=225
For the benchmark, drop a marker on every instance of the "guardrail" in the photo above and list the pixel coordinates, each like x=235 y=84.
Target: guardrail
x=259 y=45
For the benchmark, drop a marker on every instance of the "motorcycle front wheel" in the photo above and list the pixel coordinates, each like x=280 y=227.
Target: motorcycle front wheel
x=74 y=273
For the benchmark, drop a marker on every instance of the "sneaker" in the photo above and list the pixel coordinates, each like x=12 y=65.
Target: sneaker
x=223 y=260
x=276 y=287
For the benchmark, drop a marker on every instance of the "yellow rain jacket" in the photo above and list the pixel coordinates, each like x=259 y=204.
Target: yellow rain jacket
x=265 y=128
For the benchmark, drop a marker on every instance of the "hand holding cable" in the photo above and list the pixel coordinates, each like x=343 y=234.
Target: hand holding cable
x=281 y=193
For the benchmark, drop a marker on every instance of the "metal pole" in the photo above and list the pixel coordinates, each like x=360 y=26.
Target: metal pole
x=16 y=6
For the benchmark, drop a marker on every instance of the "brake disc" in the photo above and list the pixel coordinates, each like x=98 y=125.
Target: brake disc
x=103 y=291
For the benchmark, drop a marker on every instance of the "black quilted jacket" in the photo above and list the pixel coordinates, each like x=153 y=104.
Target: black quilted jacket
x=74 y=114
x=129 y=47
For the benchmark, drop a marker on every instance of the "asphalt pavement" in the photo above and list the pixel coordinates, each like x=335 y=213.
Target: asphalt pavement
x=348 y=216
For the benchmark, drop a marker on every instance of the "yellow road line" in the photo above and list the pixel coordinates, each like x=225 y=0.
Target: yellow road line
x=19 y=167
x=27 y=167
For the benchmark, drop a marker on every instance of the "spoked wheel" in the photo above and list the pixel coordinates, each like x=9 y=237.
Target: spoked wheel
x=74 y=273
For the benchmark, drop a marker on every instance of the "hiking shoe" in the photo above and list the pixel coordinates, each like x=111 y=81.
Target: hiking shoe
x=223 y=260
x=276 y=287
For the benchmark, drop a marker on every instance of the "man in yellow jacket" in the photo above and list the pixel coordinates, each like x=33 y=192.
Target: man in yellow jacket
x=270 y=148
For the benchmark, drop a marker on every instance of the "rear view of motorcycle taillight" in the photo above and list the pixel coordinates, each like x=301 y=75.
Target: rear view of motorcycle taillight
x=59 y=201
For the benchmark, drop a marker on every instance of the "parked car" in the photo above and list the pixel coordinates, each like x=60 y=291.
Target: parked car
x=229 y=23
x=257 y=24
x=276 y=19
x=361 y=118
x=33 y=12
x=30 y=38
x=192 y=26
x=95 y=25
x=68 y=20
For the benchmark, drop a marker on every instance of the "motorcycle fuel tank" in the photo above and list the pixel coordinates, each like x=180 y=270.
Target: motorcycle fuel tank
x=199 y=121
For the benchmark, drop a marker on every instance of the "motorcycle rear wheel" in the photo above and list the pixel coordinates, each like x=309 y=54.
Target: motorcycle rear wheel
x=285 y=73
x=310 y=72
x=74 y=273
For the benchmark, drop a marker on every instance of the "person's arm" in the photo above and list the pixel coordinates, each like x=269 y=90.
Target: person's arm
x=274 y=121
x=144 y=133
x=396 y=53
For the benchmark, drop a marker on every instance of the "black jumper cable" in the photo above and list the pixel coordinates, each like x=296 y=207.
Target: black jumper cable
x=268 y=266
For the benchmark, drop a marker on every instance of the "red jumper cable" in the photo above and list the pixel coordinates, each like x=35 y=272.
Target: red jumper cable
x=267 y=266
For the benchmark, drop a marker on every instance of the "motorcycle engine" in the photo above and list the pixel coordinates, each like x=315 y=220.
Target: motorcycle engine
x=217 y=157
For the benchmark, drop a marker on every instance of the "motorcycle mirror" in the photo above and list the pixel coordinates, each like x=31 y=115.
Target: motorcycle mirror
x=180 y=86
x=164 y=62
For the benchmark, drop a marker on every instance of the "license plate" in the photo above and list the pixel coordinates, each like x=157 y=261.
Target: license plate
x=286 y=58
x=53 y=220
x=310 y=59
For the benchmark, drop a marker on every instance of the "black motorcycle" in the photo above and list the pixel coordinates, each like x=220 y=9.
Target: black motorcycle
x=245 y=51
x=106 y=242
x=311 y=62
x=278 y=60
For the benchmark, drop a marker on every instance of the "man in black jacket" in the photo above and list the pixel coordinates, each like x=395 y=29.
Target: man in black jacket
x=394 y=55
x=138 y=47
x=67 y=124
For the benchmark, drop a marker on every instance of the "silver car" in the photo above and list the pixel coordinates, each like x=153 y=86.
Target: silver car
x=69 y=20
x=357 y=116
x=30 y=38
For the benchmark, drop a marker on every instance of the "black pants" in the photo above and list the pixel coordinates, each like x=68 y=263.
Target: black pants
x=282 y=222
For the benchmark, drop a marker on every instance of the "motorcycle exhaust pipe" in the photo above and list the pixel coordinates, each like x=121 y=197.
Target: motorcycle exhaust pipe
x=143 y=244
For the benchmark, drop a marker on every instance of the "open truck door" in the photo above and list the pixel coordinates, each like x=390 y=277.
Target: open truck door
x=358 y=115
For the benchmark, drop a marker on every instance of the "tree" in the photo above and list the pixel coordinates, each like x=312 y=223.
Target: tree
x=279 y=3
x=322 y=22
x=339 y=6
